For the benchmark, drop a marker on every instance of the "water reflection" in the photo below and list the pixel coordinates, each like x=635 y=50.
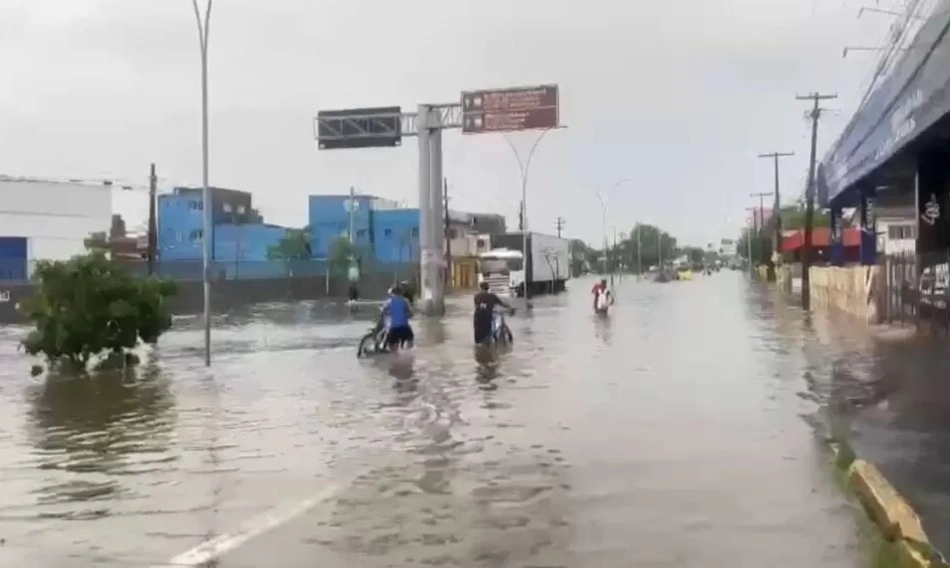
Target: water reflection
x=90 y=432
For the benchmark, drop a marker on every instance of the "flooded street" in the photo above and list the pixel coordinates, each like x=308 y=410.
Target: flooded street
x=677 y=432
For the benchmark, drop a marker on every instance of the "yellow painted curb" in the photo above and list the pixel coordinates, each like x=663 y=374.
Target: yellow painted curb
x=910 y=557
x=888 y=509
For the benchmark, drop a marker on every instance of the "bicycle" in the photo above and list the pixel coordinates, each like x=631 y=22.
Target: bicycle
x=501 y=333
x=374 y=341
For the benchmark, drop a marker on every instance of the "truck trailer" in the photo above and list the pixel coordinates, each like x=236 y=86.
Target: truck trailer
x=546 y=269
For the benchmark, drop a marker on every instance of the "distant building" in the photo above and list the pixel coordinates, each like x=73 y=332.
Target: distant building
x=390 y=231
x=181 y=219
x=42 y=219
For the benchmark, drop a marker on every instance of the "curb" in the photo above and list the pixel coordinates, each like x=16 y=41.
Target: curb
x=891 y=513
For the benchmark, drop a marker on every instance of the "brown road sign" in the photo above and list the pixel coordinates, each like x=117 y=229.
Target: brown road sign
x=505 y=110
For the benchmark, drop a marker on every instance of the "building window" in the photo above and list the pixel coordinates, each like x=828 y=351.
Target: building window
x=388 y=233
x=360 y=233
x=195 y=235
x=241 y=210
x=414 y=231
x=178 y=236
x=226 y=207
x=900 y=232
x=195 y=205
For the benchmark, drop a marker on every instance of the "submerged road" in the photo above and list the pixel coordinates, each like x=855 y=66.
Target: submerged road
x=673 y=433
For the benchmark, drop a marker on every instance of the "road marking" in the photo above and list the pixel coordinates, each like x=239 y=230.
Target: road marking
x=253 y=528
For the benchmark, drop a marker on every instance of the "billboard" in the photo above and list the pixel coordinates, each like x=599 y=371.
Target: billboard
x=510 y=110
x=378 y=127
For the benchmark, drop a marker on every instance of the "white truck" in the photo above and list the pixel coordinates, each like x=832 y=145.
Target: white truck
x=548 y=264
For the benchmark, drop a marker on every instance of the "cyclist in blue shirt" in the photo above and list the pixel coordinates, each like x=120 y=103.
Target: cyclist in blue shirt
x=399 y=312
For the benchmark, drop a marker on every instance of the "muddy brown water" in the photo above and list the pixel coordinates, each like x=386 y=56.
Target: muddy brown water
x=676 y=432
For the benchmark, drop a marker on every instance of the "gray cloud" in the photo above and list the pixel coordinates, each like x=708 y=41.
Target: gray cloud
x=677 y=95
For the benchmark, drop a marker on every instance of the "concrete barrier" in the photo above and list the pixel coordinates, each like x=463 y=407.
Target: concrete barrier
x=845 y=288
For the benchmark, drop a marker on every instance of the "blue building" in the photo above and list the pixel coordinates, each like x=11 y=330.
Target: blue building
x=329 y=220
x=240 y=251
x=396 y=236
x=180 y=219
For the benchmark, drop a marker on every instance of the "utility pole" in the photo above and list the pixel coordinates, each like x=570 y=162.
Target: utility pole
x=815 y=114
x=352 y=207
x=152 y=222
x=762 y=196
x=777 y=245
x=448 y=235
x=748 y=239
x=559 y=223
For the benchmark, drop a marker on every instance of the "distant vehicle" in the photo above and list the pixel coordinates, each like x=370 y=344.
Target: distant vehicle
x=504 y=266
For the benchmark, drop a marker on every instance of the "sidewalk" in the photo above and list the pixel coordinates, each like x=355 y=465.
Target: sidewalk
x=889 y=391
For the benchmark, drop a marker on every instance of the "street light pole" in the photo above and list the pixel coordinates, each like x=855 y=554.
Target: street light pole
x=604 y=197
x=523 y=166
x=206 y=207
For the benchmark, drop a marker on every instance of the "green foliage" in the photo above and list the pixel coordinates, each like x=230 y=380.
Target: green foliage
x=694 y=254
x=342 y=252
x=653 y=244
x=294 y=246
x=96 y=241
x=89 y=305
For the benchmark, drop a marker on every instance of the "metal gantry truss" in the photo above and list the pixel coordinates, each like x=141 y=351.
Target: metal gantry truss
x=382 y=125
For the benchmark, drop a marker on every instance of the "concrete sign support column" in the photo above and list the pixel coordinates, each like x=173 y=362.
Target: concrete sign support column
x=498 y=110
x=426 y=281
x=836 y=243
x=868 y=227
x=434 y=214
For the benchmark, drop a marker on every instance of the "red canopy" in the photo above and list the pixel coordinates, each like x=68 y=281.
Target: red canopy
x=820 y=237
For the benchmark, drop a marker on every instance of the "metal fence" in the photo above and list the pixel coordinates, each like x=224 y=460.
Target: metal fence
x=914 y=289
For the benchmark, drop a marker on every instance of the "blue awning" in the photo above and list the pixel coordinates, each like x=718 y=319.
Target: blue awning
x=914 y=96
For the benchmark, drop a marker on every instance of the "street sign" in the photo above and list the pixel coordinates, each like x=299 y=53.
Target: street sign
x=378 y=127
x=507 y=110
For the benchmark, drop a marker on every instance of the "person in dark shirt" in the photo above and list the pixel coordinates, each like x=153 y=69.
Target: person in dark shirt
x=484 y=317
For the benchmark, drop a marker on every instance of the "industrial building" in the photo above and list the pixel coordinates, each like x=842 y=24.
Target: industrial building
x=51 y=220
x=43 y=219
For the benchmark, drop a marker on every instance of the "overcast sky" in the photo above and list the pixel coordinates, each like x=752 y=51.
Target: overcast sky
x=678 y=96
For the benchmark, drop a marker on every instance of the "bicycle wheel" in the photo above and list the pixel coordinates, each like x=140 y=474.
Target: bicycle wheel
x=507 y=337
x=367 y=345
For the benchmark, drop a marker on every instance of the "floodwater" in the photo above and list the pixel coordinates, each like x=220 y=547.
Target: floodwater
x=888 y=392
x=677 y=432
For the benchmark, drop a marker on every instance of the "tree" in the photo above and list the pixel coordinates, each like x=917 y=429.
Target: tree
x=341 y=254
x=693 y=254
x=97 y=241
x=294 y=246
x=654 y=243
x=88 y=305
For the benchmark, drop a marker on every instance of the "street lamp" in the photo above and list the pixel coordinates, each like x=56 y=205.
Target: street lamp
x=523 y=169
x=203 y=29
x=604 y=197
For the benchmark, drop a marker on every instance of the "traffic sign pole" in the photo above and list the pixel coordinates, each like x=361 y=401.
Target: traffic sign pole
x=498 y=110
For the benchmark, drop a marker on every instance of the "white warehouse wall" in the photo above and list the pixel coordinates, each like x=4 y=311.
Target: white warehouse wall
x=55 y=216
